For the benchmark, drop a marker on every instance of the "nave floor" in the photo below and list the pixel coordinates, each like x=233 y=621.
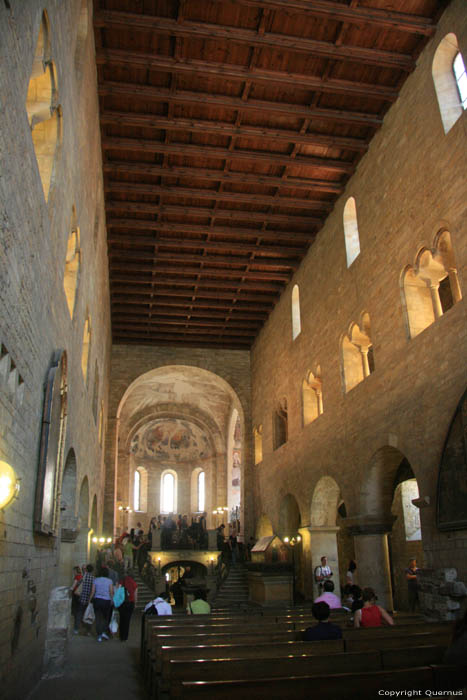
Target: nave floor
x=98 y=671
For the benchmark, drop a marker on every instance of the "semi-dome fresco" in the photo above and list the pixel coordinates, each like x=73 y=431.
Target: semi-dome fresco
x=172 y=439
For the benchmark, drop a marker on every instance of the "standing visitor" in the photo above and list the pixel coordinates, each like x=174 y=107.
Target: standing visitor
x=126 y=609
x=84 y=598
x=322 y=573
x=101 y=598
x=77 y=578
x=412 y=585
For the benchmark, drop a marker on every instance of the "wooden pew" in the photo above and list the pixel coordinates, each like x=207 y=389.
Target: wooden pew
x=393 y=641
x=231 y=669
x=344 y=686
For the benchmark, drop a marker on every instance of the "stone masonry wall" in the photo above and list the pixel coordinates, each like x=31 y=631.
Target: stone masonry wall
x=409 y=185
x=34 y=317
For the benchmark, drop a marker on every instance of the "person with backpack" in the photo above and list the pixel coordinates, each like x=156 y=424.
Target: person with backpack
x=125 y=603
x=159 y=606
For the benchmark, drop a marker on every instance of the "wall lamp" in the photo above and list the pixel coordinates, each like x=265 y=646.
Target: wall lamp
x=125 y=509
x=220 y=510
x=102 y=540
x=292 y=541
x=9 y=485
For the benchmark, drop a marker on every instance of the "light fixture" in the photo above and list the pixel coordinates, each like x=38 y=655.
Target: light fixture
x=9 y=485
x=101 y=540
x=292 y=541
x=125 y=509
x=94 y=539
x=220 y=510
x=109 y=540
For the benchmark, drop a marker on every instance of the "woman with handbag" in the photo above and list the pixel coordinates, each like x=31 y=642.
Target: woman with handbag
x=101 y=597
x=87 y=583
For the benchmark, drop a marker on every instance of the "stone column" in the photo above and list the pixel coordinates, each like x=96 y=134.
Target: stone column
x=365 y=363
x=372 y=556
x=454 y=282
x=434 y=291
x=322 y=542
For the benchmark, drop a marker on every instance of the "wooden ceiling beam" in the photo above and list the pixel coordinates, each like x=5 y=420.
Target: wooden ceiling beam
x=179 y=257
x=132 y=22
x=148 y=146
x=141 y=339
x=213 y=195
x=226 y=231
x=235 y=72
x=161 y=321
x=166 y=280
x=237 y=215
x=244 y=294
x=204 y=126
x=132 y=168
x=159 y=94
x=190 y=274
x=260 y=250
x=155 y=310
x=173 y=331
x=401 y=21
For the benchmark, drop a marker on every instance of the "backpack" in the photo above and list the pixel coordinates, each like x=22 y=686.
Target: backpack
x=119 y=596
x=152 y=610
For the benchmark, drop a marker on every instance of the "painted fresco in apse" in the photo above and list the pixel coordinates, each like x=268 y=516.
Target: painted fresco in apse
x=171 y=439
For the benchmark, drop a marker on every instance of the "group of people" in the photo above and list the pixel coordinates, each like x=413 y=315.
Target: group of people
x=176 y=531
x=197 y=604
x=105 y=593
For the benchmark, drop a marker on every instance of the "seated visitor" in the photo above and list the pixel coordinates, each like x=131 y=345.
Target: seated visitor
x=357 y=598
x=371 y=615
x=199 y=605
x=324 y=629
x=327 y=596
x=159 y=606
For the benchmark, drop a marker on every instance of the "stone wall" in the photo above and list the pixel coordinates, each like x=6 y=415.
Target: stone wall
x=409 y=186
x=34 y=316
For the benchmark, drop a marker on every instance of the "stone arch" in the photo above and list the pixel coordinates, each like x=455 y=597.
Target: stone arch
x=68 y=518
x=324 y=502
x=264 y=527
x=185 y=393
x=290 y=519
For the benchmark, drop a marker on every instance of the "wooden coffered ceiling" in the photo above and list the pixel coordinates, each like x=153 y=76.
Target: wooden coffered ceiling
x=229 y=128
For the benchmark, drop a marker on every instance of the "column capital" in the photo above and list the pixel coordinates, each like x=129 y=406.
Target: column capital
x=369 y=525
x=319 y=529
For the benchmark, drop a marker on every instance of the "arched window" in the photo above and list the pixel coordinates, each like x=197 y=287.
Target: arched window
x=85 y=350
x=431 y=286
x=72 y=265
x=44 y=113
x=95 y=394
x=280 y=424
x=357 y=354
x=450 y=81
x=458 y=66
x=136 y=490
x=168 y=492
x=201 y=492
x=412 y=525
x=352 y=238
x=312 y=396
x=296 y=325
x=140 y=490
x=101 y=423
x=258 y=438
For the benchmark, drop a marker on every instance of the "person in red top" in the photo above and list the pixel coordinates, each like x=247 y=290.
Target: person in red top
x=371 y=615
x=127 y=607
x=75 y=593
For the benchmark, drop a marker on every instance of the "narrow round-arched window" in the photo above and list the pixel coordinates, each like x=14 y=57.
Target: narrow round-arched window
x=137 y=491
x=296 y=324
x=449 y=77
x=168 y=492
x=352 y=238
x=460 y=74
x=201 y=491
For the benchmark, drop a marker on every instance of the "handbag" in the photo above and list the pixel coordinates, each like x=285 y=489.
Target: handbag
x=119 y=596
x=89 y=616
x=113 y=627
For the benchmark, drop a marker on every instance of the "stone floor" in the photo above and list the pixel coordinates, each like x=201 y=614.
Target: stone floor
x=103 y=671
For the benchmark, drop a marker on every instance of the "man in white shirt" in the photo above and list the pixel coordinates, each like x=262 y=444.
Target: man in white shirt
x=160 y=604
x=322 y=573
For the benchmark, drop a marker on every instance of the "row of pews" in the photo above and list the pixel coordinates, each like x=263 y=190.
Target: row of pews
x=258 y=656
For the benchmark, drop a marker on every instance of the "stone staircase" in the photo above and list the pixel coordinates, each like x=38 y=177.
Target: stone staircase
x=233 y=593
x=145 y=594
